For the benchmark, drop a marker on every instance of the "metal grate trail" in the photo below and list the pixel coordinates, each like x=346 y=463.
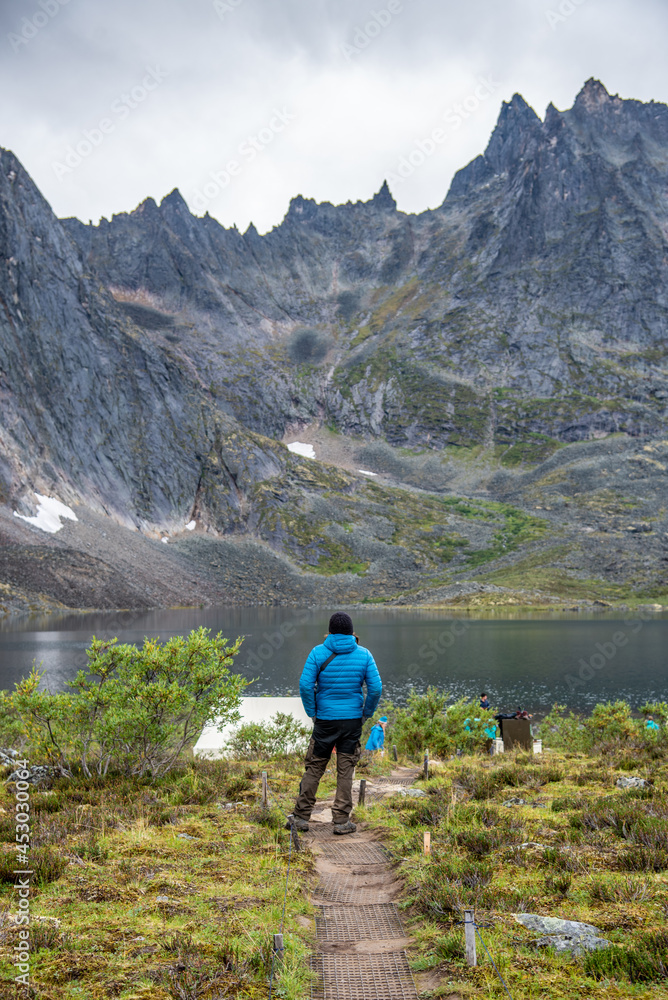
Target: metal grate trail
x=404 y=782
x=355 y=853
x=357 y=923
x=336 y=889
x=363 y=977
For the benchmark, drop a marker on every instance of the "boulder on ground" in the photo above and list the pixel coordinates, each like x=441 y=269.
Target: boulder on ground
x=571 y=936
x=631 y=782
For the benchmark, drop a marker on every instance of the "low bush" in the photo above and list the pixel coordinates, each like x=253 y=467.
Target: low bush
x=558 y=884
x=482 y=784
x=272 y=818
x=610 y=730
x=92 y=849
x=478 y=842
x=645 y=962
x=196 y=786
x=45 y=934
x=429 y=722
x=132 y=710
x=565 y=803
x=450 y=947
x=644 y=859
x=237 y=785
x=281 y=737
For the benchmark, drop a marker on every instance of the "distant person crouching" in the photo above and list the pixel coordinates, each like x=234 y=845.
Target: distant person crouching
x=331 y=689
x=484 y=701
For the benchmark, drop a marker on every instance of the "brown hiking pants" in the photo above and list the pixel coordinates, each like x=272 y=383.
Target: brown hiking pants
x=345 y=734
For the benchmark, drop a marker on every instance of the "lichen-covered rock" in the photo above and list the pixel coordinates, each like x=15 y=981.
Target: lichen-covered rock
x=572 y=936
x=555 y=925
x=631 y=781
x=572 y=945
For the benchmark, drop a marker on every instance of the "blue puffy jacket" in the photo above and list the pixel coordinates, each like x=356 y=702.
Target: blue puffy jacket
x=340 y=694
x=376 y=739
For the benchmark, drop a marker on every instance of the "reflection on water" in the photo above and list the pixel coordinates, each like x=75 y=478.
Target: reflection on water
x=532 y=661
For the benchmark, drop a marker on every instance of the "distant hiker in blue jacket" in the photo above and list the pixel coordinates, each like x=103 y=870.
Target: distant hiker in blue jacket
x=331 y=688
x=376 y=739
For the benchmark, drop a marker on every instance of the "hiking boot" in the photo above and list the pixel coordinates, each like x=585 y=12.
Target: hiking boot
x=346 y=827
x=297 y=822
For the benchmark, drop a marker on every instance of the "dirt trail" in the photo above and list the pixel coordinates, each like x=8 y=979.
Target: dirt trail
x=361 y=942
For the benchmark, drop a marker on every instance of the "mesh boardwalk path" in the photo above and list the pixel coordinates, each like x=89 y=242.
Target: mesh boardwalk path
x=361 y=942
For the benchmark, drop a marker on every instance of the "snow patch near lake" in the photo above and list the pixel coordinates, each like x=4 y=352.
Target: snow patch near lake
x=365 y=472
x=49 y=513
x=299 y=448
x=212 y=741
x=191 y=525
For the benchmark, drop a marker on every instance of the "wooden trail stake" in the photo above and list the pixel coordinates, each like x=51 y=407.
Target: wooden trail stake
x=360 y=801
x=426 y=764
x=427 y=842
x=264 y=788
x=278 y=948
x=469 y=937
x=394 y=752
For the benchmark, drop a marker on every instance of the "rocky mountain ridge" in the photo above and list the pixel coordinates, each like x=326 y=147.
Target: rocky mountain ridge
x=150 y=367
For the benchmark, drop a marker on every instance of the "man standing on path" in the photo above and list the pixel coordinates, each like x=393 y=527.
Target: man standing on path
x=331 y=689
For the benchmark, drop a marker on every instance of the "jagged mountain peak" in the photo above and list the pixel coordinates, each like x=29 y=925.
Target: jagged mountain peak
x=517 y=111
x=592 y=96
x=148 y=207
x=517 y=130
x=175 y=201
x=301 y=209
x=383 y=199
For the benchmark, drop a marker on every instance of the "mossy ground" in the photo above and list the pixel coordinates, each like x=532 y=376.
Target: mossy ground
x=147 y=912
x=561 y=854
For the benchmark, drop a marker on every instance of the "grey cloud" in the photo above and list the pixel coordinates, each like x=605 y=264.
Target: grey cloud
x=355 y=116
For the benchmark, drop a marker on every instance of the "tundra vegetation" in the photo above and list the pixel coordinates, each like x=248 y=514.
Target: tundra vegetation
x=159 y=875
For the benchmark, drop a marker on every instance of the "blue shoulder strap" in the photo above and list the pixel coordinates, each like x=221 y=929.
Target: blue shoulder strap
x=315 y=683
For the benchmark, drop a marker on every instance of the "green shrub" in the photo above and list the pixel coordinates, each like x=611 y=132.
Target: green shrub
x=12 y=730
x=195 y=787
x=271 y=817
x=450 y=947
x=92 y=849
x=558 y=884
x=281 y=737
x=562 y=861
x=609 y=729
x=132 y=710
x=567 y=802
x=645 y=962
x=478 y=842
x=602 y=890
x=644 y=859
x=44 y=934
x=484 y=783
x=563 y=730
x=237 y=785
x=428 y=722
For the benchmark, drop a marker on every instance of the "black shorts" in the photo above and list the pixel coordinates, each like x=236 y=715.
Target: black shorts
x=344 y=734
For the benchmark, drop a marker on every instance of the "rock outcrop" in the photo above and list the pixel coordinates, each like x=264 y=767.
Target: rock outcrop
x=151 y=365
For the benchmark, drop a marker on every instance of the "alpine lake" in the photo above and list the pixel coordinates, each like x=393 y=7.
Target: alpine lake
x=574 y=659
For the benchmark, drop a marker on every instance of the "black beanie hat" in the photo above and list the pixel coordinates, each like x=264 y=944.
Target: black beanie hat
x=340 y=623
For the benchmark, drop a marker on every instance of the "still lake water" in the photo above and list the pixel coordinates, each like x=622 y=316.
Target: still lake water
x=530 y=661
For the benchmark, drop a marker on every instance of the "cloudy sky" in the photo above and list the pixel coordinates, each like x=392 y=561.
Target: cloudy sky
x=243 y=104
